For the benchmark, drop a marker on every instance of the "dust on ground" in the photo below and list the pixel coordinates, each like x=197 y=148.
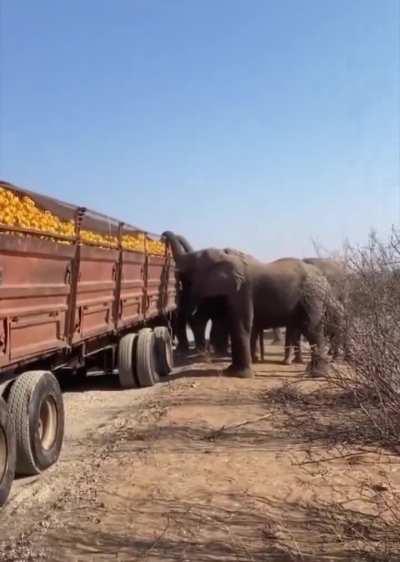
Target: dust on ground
x=209 y=468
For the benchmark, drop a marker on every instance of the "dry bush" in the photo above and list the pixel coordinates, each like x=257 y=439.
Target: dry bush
x=372 y=324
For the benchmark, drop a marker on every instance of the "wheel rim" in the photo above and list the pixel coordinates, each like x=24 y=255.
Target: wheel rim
x=168 y=353
x=3 y=453
x=48 y=422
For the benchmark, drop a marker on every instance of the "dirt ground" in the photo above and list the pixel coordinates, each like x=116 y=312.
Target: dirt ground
x=208 y=468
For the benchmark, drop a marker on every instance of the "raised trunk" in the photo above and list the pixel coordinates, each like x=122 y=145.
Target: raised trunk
x=184 y=243
x=173 y=241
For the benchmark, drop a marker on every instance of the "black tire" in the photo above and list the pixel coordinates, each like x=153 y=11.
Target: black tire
x=126 y=361
x=7 y=453
x=146 y=358
x=164 y=355
x=36 y=410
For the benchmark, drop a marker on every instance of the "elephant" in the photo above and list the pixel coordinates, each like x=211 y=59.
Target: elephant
x=196 y=317
x=260 y=295
x=335 y=273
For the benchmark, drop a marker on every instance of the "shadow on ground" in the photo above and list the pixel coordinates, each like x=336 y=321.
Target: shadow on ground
x=256 y=530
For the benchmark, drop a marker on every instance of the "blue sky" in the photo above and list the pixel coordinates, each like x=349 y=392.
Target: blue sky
x=258 y=124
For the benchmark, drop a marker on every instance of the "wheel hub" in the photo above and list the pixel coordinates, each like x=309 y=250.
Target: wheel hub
x=47 y=426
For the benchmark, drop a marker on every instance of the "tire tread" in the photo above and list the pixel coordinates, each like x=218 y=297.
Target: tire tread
x=145 y=358
x=126 y=361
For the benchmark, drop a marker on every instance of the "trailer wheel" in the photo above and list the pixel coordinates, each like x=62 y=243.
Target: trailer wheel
x=126 y=361
x=7 y=453
x=37 y=412
x=146 y=358
x=165 y=360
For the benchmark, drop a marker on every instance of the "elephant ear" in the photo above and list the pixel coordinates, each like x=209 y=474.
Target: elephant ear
x=225 y=274
x=223 y=279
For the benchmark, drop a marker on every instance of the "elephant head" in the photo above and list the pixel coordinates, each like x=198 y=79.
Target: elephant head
x=213 y=272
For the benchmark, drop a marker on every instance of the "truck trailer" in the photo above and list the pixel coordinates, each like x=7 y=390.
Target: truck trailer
x=78 y=290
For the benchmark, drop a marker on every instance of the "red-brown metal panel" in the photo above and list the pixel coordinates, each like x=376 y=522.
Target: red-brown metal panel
x=131 y=298
x=95 y=295
x=171 y=286
x=34 y=295
x=154 y=294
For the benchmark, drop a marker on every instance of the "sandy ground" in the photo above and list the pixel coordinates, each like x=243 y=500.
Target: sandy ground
x=208 y=468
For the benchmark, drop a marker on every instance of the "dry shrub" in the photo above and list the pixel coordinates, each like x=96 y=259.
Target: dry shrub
x=372 y=323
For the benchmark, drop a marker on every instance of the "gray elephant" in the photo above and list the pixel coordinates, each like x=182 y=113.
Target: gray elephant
x=283 y=293
x=198 y=316
x=335 y=273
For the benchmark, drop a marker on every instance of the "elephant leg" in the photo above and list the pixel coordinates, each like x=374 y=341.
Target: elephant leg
x=298 y=355
x=219 y=336
x=253 y=344
x=335 y=329
x=223 y=341
x=213 y=334
x=293 y=342
x=262 y=349
x=198 y=323
x=288 y=345
x=334 y=347
x=180 y=332
x=241 y=323
x=314 y=333
x=277 y=337
x=183 y=313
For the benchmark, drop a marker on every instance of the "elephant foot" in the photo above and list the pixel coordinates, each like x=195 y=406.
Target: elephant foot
x=255 y=360
x=299 y=360
x=233 y=371
x=318 y=368
x=287 y=361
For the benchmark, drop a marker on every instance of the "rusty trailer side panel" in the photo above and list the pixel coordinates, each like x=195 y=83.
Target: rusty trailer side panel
x=96 y=287
x=155 y=278
x=170 y=284
x=34 y=297
x=130 y=308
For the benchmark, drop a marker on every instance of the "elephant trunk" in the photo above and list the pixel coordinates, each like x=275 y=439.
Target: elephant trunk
x=184 y=243
x=176 y=246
